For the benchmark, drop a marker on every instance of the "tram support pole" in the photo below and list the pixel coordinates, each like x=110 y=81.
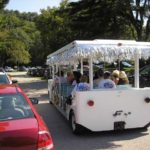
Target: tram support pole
x=59 y=76
x=75 y=66
x=91 y=72
x=53 y=72
x=81 y=66
x=136 y=69
x=56 y=68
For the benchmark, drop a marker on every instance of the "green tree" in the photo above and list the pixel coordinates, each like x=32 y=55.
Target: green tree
x=15 y=39
x=3 y=46
x=137 y=12
x=3 y=3
x=17 y=52
x=98 y=19
x=54 y=27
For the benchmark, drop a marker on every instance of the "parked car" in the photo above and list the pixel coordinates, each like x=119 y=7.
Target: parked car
x=144 y=77
x=32 y=71
x=21 y=127
x=22 y=68
x=1 y=69
x=9 y=69
x=126 y=64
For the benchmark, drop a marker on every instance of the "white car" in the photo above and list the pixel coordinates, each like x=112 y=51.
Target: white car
x=9 y=69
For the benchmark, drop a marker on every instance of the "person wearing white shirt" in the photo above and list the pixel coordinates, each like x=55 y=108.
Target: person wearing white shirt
x=82 y=86
x=107 y=83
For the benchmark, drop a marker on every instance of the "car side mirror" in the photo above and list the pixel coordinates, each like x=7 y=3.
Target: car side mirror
x=34 y=100
x=14 y=81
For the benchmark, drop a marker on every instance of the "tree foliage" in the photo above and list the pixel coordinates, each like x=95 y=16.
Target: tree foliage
x=137 y=12
x=53 y=24
x=3 y=3
x=99 y=19
x=17 y=38
x=29 y=37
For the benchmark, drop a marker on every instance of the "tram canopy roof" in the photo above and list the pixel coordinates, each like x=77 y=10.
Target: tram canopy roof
x=102 y=50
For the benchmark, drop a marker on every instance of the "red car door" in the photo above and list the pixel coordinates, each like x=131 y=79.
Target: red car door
x=21 y=134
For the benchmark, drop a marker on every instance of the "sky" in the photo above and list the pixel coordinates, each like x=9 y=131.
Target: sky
x=32 y=5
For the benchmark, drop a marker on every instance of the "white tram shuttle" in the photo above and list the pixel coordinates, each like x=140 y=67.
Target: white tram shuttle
x=101 y=109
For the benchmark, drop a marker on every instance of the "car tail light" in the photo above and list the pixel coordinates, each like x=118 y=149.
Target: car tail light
x=45 y=141
x=90 y=103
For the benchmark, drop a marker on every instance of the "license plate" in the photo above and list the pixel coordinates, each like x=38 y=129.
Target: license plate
x=120 y=125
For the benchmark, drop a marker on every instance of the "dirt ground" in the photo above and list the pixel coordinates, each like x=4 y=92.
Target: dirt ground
x=33 y=86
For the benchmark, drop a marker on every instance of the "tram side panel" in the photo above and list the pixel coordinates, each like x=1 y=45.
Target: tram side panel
x=50 y=89
x=112 y=109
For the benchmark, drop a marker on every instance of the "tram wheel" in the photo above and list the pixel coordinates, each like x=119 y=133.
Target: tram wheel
x=76 y=129
x=50 y=102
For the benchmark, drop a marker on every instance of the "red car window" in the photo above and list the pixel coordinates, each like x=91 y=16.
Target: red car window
x=14 y=106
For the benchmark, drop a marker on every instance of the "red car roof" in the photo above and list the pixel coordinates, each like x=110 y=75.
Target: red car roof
x=7 y=88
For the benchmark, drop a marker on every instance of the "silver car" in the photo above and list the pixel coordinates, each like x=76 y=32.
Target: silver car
x=4 y=78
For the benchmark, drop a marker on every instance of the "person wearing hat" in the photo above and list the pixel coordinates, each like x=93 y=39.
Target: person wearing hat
x=107 y=82
x=115 y=76
x=123 y=79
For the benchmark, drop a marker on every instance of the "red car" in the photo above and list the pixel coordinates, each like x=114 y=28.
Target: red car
x=21 y=127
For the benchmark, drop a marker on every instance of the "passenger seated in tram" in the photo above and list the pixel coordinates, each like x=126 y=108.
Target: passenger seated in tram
x=62 y=79
x=107 y=83
x=115 y=76
x=77 y=76
x=83 y=85
x=70 y=78
x=100 y=76
x=59 y=78
x=123 y=80
x=73 y=78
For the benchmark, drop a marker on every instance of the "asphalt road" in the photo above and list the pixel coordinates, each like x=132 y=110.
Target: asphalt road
x=63 y=137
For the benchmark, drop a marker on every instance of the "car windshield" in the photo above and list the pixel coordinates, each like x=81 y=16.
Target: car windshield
x=4 y=79
x=14 y=106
